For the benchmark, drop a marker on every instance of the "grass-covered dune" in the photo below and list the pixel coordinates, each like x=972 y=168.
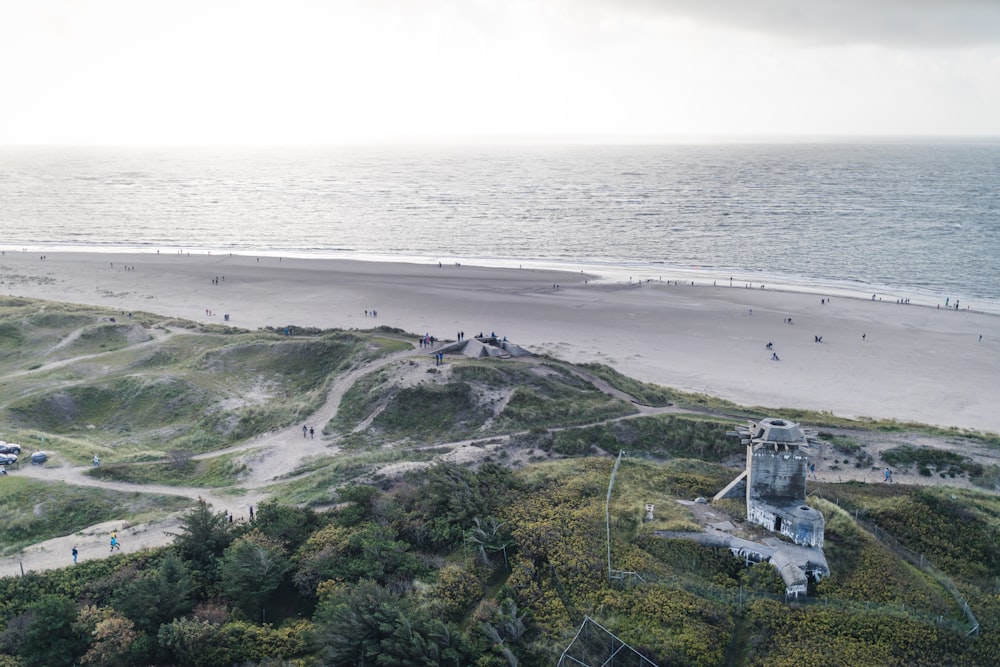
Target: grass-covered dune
x=140 y=389
x=471 y=398
x=56 y=509
x=452 y=514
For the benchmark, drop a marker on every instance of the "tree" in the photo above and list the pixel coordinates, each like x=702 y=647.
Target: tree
x=51 y=638
x=487 y=537
x=368 y=551
x=187 y=640
x=361 y=501
x=290 y=526
x=112 y=636
x=204 y=536
x=506 y=625
x=251 y=568
x=366 y=624
x=456 y=590
x=157 y=597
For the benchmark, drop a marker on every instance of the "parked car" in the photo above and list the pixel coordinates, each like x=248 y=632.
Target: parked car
x=9 y=448
x=7 y=459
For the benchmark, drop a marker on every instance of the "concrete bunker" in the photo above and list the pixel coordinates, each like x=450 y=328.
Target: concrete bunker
x=774 y=484
x=775 y=481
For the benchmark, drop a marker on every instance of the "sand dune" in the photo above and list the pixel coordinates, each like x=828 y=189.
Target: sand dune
x=914 y=363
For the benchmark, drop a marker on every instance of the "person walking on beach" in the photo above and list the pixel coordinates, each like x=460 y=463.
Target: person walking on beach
x=97 y=461
x=114 y=541
x=312 y=433
x=305 y=430
x=75 y=553
x=888 y=474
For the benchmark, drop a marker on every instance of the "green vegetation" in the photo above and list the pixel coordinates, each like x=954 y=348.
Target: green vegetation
x=381 y=554
x=315 y=483
x=660 y=436
x=445 y=412
x=929 y=461
x=867 y=572
x=186 y=387
x=842 y=442
x=180 y=470
x=489 y=566
x=644 y=393
x=33 y=511
x=453 y=405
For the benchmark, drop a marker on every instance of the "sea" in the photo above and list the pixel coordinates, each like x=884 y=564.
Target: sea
x=904 y=219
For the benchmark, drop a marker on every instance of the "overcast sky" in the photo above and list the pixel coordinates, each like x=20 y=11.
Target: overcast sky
x=361 y=71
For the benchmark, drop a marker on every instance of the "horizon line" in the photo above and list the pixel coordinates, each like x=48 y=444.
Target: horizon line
x=537 y=141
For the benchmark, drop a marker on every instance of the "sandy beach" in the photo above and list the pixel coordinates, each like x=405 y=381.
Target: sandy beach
x=876 y=358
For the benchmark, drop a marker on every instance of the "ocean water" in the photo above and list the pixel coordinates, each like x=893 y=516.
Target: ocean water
x=914 y=219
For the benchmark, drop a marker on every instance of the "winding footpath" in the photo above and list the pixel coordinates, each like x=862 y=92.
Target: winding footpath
x=276 y=456
x=269 y=458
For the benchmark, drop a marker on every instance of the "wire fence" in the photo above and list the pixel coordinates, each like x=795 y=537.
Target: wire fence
x=891 y=543
x=740 y=596
x=622 y=576
x=594 y=645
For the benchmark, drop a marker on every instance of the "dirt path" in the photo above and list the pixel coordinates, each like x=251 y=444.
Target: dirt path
x=158 y=334
x=268 y=458
x=273 y=456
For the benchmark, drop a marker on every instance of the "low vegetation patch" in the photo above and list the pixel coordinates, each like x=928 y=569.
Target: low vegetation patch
x=842 y=443
x=33 y=511
x=315 y=484
x=645 y=393
x=220 y=471
x=660 y=436
x=928 y=460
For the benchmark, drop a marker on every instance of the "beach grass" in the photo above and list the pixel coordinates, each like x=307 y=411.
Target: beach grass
x=125 y=389
x=662 y=436
x=644 y=393
x=224 y=471
x=32 y=511
x=469 y=398
x=315 y=482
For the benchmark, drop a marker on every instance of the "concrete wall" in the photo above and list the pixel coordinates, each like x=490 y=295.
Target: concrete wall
x=777 y=477
x=801 y=524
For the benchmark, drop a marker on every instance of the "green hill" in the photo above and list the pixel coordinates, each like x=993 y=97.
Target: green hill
x=449 y=514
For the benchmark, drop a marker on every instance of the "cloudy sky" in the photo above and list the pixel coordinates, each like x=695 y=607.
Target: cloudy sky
x=362 y=71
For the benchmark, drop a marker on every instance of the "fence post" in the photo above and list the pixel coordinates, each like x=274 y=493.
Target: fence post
x=607 y=508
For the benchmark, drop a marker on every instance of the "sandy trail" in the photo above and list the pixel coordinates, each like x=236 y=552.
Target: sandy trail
x=269 y=457
x=915 y=362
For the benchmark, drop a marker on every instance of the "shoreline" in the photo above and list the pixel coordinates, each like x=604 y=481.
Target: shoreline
x=915 y=362
x=598 y=272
